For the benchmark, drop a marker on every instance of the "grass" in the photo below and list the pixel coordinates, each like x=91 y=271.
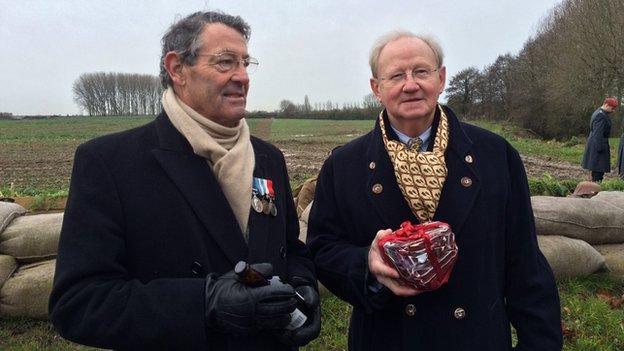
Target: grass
x=591 y=323
x=569 y=151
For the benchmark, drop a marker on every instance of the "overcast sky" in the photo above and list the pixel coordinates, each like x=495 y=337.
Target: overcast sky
x=314 y=48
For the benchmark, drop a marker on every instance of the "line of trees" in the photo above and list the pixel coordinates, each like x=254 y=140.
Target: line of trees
x=368 y=109
x=561 y=75
x=117 y=94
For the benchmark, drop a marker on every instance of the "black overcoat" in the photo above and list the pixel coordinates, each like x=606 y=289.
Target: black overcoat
x=500 y=275
x=145 y=222
x=597 y=156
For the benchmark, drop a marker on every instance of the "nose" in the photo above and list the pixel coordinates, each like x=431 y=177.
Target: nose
x=240 y=74
x=410 y=84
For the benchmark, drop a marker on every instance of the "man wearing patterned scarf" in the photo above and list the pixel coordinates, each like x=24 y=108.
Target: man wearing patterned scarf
x=158 y=217
x=420 y=163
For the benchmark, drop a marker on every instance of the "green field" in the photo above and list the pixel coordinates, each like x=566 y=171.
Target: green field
x=36 y=159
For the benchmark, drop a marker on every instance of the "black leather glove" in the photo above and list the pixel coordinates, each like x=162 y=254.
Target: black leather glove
x=312 y=309
x=233 y=307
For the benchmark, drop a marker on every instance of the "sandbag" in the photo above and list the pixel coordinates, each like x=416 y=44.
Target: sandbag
x=8 y=265
x=303 y=223
x=592 y=220
x=32 y=238
x=305 y=195
x=568 y=257
x=8 y=211
x=27 y=292
x=614 y=257
x=615 y=198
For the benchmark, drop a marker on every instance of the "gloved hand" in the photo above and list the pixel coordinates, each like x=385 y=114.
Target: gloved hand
x=235 y=308
x=312 y=327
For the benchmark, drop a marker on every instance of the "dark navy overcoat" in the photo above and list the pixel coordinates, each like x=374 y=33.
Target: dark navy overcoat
x=620 y=158
x=597 y=156
x=500 y=276
x=145 y=222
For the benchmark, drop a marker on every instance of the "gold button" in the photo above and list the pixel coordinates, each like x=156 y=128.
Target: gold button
x=468 y=158
x=466 y=182
x=459 y=313
x=377 y=188
x=410 y=309
x=372 y=165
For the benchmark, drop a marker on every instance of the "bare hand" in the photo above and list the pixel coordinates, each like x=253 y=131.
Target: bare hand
x=385 y=274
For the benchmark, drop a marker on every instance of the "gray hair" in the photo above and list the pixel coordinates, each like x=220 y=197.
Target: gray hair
x=381 y=43
x=183 y=37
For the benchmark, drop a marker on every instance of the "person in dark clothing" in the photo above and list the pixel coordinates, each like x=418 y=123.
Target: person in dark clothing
x=158 y=217
x=597 y=155
x=421 y=164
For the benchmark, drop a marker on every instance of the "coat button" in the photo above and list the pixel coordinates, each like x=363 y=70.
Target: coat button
x=196 y=268
x=466 y=182
x=377 y=188
x=410 y=309
x=459 y=313
x=282 y=252
x=372 y=165
x=468 y=158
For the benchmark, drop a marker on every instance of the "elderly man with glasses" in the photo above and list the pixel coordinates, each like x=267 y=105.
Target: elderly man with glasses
x=421 y=164
x=158 y=217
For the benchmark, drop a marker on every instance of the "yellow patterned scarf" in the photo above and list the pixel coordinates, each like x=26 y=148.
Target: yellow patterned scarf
x=420 y=175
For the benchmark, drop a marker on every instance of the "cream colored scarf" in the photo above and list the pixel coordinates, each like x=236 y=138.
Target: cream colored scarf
x=420 y=175
x=228 y=151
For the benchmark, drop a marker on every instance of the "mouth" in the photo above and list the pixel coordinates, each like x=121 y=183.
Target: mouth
x=413 y=99
x=234 y=95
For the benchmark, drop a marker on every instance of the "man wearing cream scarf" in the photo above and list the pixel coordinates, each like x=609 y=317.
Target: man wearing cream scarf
x=159 y=215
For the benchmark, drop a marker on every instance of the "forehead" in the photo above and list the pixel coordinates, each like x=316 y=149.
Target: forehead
x=217 y=37
x=406 y=51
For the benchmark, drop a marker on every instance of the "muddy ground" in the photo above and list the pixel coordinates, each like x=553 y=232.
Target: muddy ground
x=39 y=168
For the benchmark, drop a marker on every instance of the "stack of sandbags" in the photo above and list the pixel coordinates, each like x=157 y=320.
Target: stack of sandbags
x=28 y=246
x=579 y=236
x=304 y=194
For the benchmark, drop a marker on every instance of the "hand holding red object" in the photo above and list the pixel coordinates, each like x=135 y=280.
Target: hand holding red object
x=423 y=254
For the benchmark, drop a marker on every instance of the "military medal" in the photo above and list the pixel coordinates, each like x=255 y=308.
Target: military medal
x=256 y=203
x=263 y=196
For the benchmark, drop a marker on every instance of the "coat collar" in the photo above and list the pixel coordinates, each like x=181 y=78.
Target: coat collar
x=460 y=188
x=197 y=183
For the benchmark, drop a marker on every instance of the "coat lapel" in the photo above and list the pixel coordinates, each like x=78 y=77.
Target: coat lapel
x=259 y=222
x=389 y=202
x=197 y=183
x=462 y=183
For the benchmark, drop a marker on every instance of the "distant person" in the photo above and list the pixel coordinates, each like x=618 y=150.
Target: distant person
x=597 y=156
x=421 y=164
x=159 y=215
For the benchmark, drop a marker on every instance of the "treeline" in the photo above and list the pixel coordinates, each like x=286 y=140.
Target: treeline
x=368 y=109
x=116 y=94
x=561 y=75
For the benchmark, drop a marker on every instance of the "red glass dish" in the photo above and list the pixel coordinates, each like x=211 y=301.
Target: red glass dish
x=423 y=254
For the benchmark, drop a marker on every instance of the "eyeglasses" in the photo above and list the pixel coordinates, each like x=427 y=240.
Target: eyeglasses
x=418 y=75
x=227 y=61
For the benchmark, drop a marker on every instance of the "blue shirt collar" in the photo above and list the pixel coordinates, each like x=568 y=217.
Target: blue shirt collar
x=424 y=137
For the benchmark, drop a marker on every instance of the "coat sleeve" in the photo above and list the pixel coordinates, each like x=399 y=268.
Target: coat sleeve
x=532 y=300
x=94 y=301
x=299 y=261
x=340 y=265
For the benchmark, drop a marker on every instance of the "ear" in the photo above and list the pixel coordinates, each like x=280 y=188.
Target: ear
x=374 y=84
x=174 y=66
x=442 y=75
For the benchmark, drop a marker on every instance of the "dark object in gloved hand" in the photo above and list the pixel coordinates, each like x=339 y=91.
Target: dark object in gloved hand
x=312 y=309
x=233 y=307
